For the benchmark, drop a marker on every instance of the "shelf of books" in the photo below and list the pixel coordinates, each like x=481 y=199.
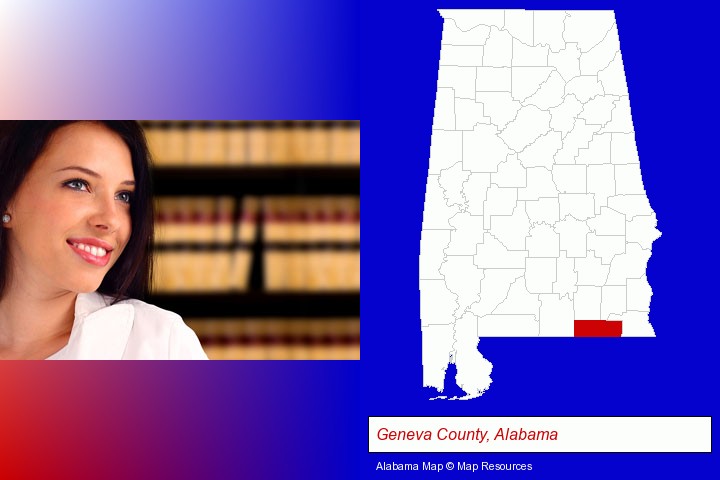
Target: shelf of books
x=257 y=241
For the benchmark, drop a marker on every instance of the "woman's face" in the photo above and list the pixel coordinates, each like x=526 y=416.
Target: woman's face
x=71 y=215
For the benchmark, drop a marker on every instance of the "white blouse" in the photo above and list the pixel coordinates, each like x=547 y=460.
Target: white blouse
x=128 y=330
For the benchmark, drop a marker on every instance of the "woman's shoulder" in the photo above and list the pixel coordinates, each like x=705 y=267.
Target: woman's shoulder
x=159 y=331
x=152 y=313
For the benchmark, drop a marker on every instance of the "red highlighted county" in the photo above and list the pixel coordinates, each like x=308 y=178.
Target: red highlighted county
x=598 y=328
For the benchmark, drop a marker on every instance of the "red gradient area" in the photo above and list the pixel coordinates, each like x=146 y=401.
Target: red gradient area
x=598 y=328
x=178 y=420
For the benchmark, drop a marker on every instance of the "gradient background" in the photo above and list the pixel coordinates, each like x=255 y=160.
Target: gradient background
x=338 y=60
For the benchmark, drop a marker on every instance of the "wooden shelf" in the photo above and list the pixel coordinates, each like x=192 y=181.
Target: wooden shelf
x=252 y=180
x=259 y=304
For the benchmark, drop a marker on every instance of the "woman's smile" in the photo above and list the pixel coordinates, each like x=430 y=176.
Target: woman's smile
x=92 y=250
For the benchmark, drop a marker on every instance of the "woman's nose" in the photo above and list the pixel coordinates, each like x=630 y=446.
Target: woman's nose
x=106 y=214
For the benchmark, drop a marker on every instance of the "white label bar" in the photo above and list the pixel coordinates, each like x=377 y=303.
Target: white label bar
x=540 y=434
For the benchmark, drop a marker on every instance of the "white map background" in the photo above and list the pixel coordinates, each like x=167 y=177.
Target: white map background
x=535 y=211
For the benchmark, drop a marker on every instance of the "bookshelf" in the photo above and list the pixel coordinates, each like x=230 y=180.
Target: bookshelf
x=279 y=194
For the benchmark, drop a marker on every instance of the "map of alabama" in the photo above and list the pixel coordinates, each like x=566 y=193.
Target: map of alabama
x=536 y=221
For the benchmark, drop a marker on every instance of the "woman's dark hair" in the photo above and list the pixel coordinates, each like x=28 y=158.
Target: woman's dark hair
x=21 y=142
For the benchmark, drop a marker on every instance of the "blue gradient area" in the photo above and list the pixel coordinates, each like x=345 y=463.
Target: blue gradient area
x=182 y=59
x=139 y=419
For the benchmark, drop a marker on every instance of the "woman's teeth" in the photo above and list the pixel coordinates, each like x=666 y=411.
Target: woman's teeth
x=96 y=251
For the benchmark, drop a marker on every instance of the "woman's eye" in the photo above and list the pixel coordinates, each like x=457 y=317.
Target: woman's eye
x=125 y=197
x=80 y=185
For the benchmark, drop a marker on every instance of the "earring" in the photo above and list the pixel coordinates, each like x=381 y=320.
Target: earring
x=6 y=218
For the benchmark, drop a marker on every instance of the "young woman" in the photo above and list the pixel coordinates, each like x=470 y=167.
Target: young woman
x=75 y=246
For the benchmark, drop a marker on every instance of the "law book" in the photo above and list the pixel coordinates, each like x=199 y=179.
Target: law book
x=345 y=143
x=175 y=151
x=279 y=138
x=206 y=143
x=237 y=144
x=202 y=221
x=318 y=143
x=259 y=137
x=224 y=221
x=155 y=135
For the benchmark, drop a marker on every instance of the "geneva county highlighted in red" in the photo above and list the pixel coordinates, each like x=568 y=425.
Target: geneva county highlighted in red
x=598 y=328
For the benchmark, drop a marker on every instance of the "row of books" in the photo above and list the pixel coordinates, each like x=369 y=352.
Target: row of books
x=243 y=143
x=279 y=339
x=283 y=219
x=207 y=244
x=307 y=270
